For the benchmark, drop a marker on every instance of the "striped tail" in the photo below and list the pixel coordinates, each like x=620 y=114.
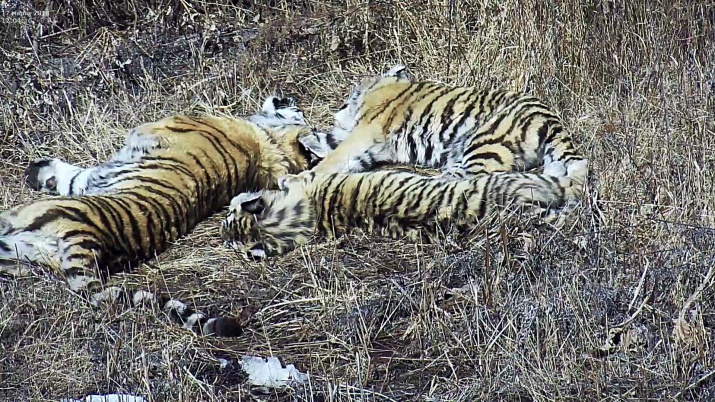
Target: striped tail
x=177 y=310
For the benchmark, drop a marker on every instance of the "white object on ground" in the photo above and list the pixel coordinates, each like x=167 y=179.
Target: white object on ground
x=107 y=398
x=270 y=373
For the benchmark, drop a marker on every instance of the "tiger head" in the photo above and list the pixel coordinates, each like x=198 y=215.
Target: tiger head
x=349 y=113
x=268 y=223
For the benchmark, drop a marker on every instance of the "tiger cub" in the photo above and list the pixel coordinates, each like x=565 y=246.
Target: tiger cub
x=170 y=175
x=462 y=130
x=391 y=203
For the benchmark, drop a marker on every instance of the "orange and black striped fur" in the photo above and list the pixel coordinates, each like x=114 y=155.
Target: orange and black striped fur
x=170 y=175
x=462 y=130
x=390 y=203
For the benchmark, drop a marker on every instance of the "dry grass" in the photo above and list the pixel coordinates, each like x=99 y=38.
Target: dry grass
x=525 y=317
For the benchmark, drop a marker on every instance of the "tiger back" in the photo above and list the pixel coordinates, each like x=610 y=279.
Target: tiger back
x=169 y=176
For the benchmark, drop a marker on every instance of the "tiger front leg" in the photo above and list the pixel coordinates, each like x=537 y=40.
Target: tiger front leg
x=362 y=150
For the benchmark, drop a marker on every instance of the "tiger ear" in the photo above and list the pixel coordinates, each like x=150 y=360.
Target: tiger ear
x=314 y=145
x=249 y=202
x=398 y=71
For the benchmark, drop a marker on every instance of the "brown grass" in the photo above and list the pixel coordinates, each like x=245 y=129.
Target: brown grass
x=528 y=317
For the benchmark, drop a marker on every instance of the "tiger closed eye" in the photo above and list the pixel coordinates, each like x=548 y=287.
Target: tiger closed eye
x=343 y=106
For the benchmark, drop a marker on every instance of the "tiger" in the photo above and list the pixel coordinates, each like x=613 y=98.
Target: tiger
x=169 y=175
x=390 y=203
x=463 y=131
x=483 y=141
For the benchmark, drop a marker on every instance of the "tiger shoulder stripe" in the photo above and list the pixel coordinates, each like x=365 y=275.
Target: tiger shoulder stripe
x=389 y=203
x=170 y=175
x=462 y=130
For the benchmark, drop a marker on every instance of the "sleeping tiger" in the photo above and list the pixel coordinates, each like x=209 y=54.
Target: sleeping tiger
x=462 y=130
x=170 y=175
x=390 y=203
x=472 y=135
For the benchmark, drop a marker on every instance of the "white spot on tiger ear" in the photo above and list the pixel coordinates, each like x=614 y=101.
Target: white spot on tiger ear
x=272 y=116
x=268 y=105
x=399 y=71
x=191 y=321
x=206 y=329
x=241 y=198
x=314 y=145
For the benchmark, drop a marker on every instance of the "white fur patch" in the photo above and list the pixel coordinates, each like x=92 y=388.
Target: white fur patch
x=109 y=294
x=258 y=253
x=31 y=246
x=191 y=321
x=175 y=305
x=272 y=117
x=578 y=169
x=141 y=296
x=555 y=169
x=206 y=329
x=241 y=198
x=77 y=283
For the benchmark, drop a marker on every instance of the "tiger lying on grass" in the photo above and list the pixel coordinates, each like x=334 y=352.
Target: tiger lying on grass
x=170 y=175
x=389 y=203
x=465 y=131
x=473 y=135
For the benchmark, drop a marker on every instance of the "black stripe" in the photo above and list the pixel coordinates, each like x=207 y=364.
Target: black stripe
x=482 y=209
x=376 y=110
x=221 y=151
x=322 y=213
x=337 y=190
x=71 y=189
x=330 y=139
x=448 y=111
x=89 y=245
x=480 y=157
x=403 y=192
x=169 y=217
x=415 y=89
x=106 y=229
x=135 y=229
x=352 y=207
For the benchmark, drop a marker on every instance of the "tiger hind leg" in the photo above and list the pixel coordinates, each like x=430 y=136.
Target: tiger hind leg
x=19 y=249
